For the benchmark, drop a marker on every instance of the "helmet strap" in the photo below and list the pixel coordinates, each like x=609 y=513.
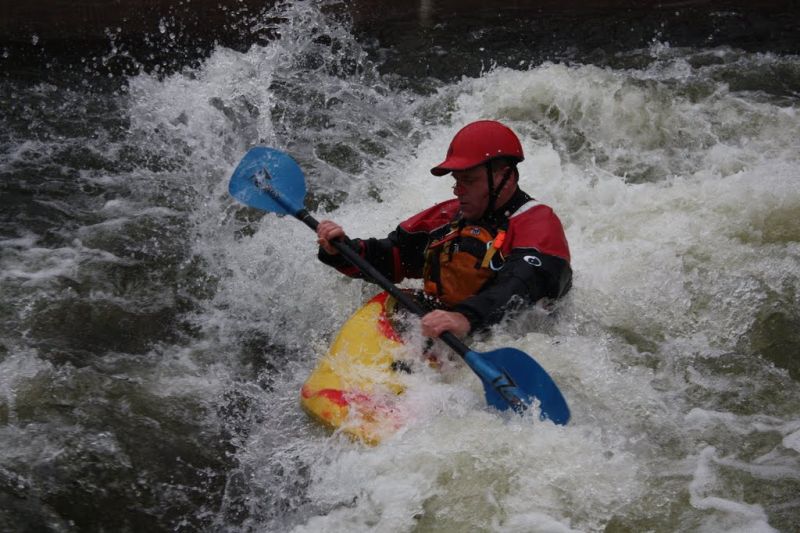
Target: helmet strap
x=492 y=193
x=495 y=192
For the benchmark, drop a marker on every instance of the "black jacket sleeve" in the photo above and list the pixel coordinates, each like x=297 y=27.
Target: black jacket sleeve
x=400 y=255
x=525 y=277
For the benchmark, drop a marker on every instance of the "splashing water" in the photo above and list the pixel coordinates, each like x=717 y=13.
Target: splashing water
x=155 y=334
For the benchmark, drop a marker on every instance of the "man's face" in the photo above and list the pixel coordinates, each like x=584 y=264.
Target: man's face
x=472 y=191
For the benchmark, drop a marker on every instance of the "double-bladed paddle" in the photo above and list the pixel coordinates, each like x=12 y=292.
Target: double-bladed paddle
x=271 y=180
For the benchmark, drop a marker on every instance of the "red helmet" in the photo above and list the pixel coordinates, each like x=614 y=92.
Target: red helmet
x=477 y=143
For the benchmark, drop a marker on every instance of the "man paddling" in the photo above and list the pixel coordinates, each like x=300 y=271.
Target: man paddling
x=480 y=254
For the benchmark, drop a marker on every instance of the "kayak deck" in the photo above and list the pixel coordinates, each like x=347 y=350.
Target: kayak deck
x=354 y=388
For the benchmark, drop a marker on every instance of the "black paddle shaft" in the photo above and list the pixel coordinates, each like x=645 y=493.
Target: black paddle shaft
x=372 y=273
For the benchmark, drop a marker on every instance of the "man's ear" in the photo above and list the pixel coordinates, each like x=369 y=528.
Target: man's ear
x=511 y=176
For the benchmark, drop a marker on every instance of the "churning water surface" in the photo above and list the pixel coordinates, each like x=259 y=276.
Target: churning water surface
x=154 y=334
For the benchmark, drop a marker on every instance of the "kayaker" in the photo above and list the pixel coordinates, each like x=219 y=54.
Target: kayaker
x=491 y=249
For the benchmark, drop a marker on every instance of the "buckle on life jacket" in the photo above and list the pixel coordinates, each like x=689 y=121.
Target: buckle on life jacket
x=493 y=247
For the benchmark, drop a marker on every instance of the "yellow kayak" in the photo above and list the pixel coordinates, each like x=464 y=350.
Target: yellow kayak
x=354 y=387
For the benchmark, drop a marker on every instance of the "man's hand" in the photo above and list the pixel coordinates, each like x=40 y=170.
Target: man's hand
x=327 y=231
x=437 y=322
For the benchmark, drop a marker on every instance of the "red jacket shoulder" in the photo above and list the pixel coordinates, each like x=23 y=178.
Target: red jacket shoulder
x=536 y=226
x=432 y=218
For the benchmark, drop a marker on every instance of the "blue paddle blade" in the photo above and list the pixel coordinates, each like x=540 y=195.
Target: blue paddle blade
x=270 y=180
x=512 y=379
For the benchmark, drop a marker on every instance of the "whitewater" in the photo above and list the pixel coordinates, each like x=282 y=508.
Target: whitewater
x=154 y=333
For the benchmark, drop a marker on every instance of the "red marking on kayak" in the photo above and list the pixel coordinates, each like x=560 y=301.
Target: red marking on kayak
x=384 y=324
x=332 y=395
x=342 y=398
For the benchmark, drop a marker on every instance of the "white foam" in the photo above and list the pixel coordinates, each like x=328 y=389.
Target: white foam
x=667 y=202
x=659 y=259
x=726 y=514
x=792 y=441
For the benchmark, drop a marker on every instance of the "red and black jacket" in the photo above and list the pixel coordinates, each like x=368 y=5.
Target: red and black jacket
x=534 y=262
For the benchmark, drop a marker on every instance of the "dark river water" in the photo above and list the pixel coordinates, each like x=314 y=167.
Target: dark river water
x=154 y=334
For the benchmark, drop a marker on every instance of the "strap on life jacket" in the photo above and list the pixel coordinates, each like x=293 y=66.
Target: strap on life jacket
x=492 y=248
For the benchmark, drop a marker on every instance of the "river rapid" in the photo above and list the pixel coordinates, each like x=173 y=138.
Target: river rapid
x=154 y=334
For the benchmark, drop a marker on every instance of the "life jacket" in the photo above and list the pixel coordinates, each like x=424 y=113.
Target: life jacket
x=459 y=263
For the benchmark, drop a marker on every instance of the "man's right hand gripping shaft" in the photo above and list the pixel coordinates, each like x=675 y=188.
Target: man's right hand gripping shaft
x=328 y=231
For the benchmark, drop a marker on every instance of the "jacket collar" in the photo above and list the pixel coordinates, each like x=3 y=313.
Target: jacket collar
x=500 y=216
